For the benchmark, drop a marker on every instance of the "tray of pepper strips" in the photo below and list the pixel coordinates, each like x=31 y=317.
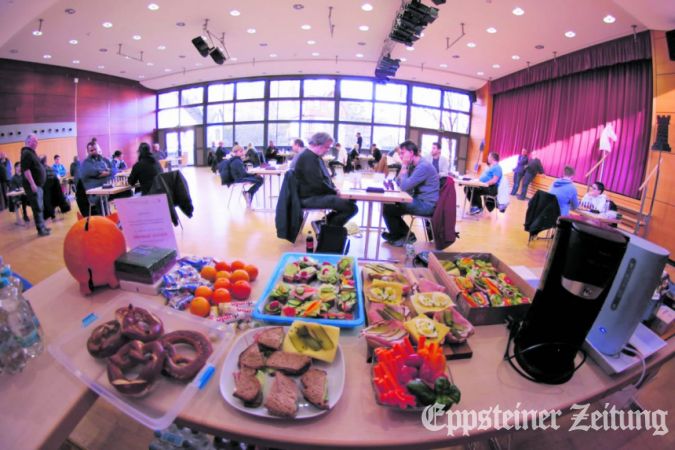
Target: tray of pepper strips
x=410 y=378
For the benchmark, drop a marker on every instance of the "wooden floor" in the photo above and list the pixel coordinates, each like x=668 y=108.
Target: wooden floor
x=236 y=233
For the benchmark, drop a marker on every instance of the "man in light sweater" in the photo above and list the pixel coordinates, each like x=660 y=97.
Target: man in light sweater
x=419 y=179
x=565 y=191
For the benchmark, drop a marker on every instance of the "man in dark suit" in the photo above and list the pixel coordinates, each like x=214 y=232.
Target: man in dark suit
x=519 y=171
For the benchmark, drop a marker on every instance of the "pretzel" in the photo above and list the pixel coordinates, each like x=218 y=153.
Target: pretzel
x=105 y=340
x=179 y=366
x=138 y=323
x=149 y=356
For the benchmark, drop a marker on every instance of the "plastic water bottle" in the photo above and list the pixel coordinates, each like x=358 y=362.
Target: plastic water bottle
x=12 y=354
x=21 y=320
x=169 y=438
x=409 y=255
x=309 y=242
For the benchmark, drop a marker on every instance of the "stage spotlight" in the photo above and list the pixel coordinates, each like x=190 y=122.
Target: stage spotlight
x=218 y=56
x=201 y=45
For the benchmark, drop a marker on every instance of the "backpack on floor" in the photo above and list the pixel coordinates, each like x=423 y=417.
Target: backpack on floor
x=332 y=239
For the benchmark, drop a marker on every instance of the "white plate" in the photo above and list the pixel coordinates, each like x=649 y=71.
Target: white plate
x=335 y=371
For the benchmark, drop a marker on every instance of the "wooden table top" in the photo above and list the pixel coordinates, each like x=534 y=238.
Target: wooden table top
x=382 y=197
x=474 y=182
x=270 y=171
x=601 y=217
x=108 y=191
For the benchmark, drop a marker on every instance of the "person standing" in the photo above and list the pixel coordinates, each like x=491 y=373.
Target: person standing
x=534 y=168
x=34 y=177
x=5 y=177
x=519 y=171
x=440 y=163
x=565 y=191
x=145 y=170
x=359 y=141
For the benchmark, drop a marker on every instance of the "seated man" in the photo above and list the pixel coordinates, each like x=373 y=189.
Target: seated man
x=297 y=148
x=565 y=191
x=595 y=199
x=239 y=174
x=340 y=159
x=440 y=163
x=315 y=187
x=491 y=177
x=252 y=156
x=377 y=156
x=95 y=170
x=420 y=180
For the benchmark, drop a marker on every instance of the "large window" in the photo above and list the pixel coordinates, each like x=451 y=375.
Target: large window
x=391 y=92
x=356 y=111
x=251 y=133
x=284 y=110
x=425 y=117
x=192 y=116
x=319 y=88
x=347 y=135
x=426 y=96
x=250 y=89
x=356 y=89
x=249 y=111
x=318 y=110
x=283 y=133
x=387 y=138
x=168 y=100
x=192 y=96
x=218 y=133
x=284 y=88
x=223 y=112
x=307 y=129
x=167 y=118
x=389 y=113
x=221 y=92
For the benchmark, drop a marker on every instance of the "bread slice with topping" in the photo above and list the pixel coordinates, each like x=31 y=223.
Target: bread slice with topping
x=248 y=388
x=271 y=338
x=282 y=399
x=289 y=363
x=252 y=358
x=315 y=387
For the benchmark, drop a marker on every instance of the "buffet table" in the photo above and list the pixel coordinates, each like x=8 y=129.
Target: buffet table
x=47 y=402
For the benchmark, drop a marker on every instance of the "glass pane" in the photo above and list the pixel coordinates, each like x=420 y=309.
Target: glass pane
x=284 y=110
x=168 y=100
x=192 y=96
x=457 y=122
x=285 y=88
x=221 y=92
x=220 y=113
x=455 y=100
x=426 y=96
x=171 y=143
x=250 y=89
x=347 y=135
x=249 y=111
x=356 y=89
x=427 y=141
x=425 y=117
x=391 y=92
x=319 y=88
x=187 y=145
x=356 y=111
x=309 y=128
x=250 y=133
x=388 y=113
x=387 y=138
x=318 y=109
x=283 y=133
x=217 y=133
x=167 y=118
x=192 y=116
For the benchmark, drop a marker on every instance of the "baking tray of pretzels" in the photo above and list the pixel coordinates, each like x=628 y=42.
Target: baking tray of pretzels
x=145 y=359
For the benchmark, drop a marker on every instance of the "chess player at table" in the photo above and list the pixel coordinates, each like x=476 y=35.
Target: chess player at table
x=491 y=177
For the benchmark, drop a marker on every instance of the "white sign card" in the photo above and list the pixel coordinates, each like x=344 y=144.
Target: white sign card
x=146 y=221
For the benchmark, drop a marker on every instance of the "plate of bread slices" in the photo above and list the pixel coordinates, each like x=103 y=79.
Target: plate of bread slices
x=294 y=372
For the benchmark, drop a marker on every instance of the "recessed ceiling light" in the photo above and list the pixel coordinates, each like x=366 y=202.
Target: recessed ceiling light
x=14 y=50
x=517 y=11
x=263 y=44
x=496 y=66
x=150 y=64
x=47 y=56
x=480 y=74
x=570 y=34
x=180 y=24
x=471 y=44
x=103 y=50
x=250 y=30
x=515 y=57
x=107 y=24
x=361 y=43
x=141 y=76
x=455 y=56
x=491 y=30
x=167 y=70
x=198 y=64
x=73 y=42
x=364 y=28
x=359 y=55
x=444 y=66
x=37 y=33
x=609 y=19
x=123 y=71
x=403 y=59
x=76 y=61
x=367 y=7
x=161 y=47
x=101 y=67
x=298 y=6
x=235 y=13
x=315 y=54
x=153 y=6
x=410 y=49
x=70 y=11
x=181 y=56
x=310 y=42
x=234 y=58
x=306 y=27
x=539 y=47
x=273 y=55
x=136 y=37
x=422 y=34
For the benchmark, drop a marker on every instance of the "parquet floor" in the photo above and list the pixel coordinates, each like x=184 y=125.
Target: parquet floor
x=233 y=232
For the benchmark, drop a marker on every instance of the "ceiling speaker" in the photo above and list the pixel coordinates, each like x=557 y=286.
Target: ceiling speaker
x=218 y=56
x=201 y=45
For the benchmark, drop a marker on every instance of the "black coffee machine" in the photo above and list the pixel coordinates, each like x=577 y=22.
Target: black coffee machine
x=579 y=272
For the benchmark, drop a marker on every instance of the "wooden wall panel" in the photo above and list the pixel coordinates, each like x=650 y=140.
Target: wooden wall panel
x=16 y=108
x=64 y=147
x=53 y=108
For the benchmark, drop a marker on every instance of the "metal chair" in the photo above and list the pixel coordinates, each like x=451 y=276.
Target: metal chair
x=426 y=221
x=305 y=214
x=240 y=187
x=493 y=198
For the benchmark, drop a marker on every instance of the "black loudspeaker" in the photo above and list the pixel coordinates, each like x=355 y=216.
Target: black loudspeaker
x=218 y=56
x=201 y=45
x=670 y=41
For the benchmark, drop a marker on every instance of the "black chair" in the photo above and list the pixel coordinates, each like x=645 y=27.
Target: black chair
x=82 y=201
x=542 y=213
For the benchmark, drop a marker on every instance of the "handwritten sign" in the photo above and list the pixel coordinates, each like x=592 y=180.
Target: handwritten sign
x=146 y=221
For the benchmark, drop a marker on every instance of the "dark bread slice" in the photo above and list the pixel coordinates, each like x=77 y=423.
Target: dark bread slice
x=289 y=363
x=271 y=338
x=247 y=388
x=314 y=386
x=282 y=399
x=252 y=358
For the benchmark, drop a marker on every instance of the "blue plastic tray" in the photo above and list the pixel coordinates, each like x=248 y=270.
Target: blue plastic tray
x=259 y=311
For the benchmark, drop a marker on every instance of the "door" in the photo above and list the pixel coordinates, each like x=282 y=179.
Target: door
x=450 y=146
x=187 y=145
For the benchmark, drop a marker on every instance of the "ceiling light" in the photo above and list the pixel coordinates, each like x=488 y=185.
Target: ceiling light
x=517 y=11
x=310 y=42
x=403 y=59
x=141 y=76
x=410 y=49
x=496 y=66
x=570 y=34
x=263 y=44
x=364 y=28
x=153 y=6
x=455 y=56
x=37 y=33
x=73 y=42
x=198 y=64
x=47 y=56
x=234 y=58
x=367 y=7
x=235 y=13
x=515 y=57
x=76 y=61
x=107 y=24
x=218 y=56
x=182 y=56
x=315 y=54
x=101 y=67
x=491 y=30
x=70 y=11
x=167 y=70
x=306 y=27
x=359 y=55
x=150 y=64
x=250 y=30
x=298 y=6
x=444 y=66
x=103 y=50
x=471 y=44
x=273 y=55
x=180 y=24
x=539 y=47
x=609 y=19
x=361 y=43
x=480 y=74
x=161 y=47
x=136 y=37
x=201 y=45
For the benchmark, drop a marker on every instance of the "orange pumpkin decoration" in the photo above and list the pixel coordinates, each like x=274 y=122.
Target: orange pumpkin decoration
x=90 y=249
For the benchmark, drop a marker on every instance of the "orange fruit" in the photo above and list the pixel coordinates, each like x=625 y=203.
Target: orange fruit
x=241 y=290
x=199 y=306
x=252 y=271
x=223 y=283
x=221 y=295
x=222 y=265
x=239 y=274
x=237 y=265
x=204 y=291
x=223 y=274
x=208 y=273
